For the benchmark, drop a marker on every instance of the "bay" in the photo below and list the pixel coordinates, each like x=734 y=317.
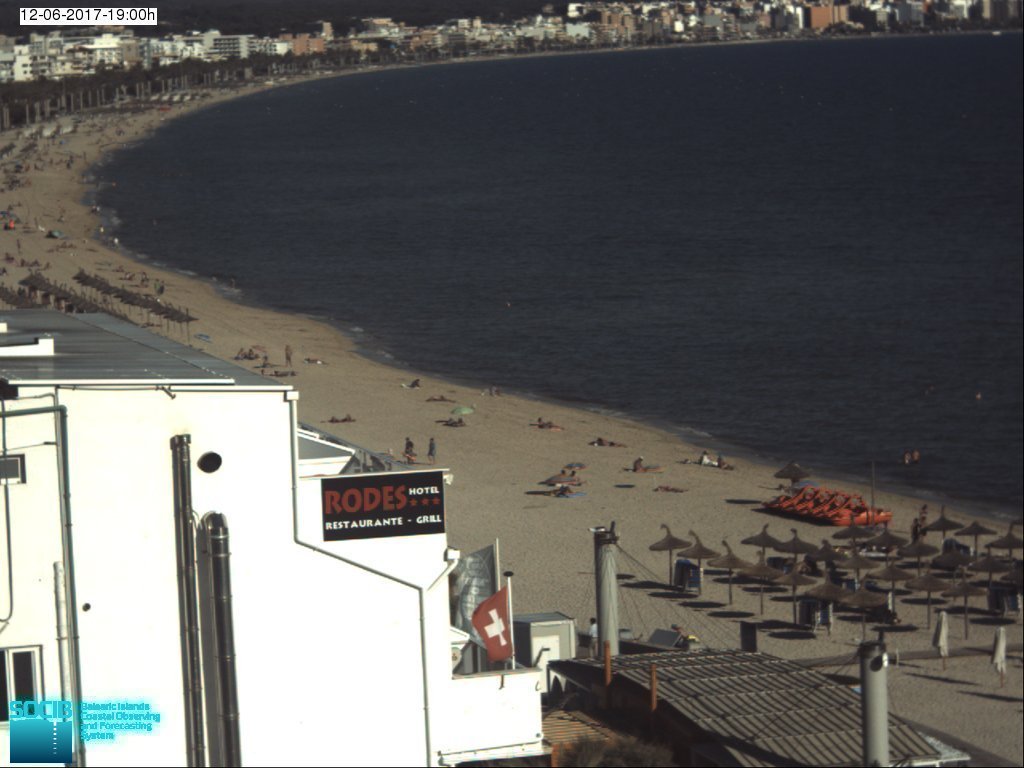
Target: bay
x=807 y=250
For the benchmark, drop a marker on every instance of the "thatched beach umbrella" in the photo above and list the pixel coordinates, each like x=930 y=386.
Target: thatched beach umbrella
x=928 y=584
x=792 y=472
x=989 y=565
x=943 y=524
x=764 y=540
x=975 y=529
x=827 y=553
x=853 y=533
x=794 y=579
x=885 y=540
x=795 y=546
x=668 y=543
x=1016 y=575
x=892 y=574
x=918 y=549
x=762 y=572
x=965 y=590
x=829 y=592
x=857 y=563
x=1009 y=542
x=697 y=551
x=864 y=600
x=951 y=560
x=731 y=562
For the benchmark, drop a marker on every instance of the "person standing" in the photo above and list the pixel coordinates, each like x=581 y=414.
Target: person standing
x=432 y=451
x=288 y=355
x=593 y=633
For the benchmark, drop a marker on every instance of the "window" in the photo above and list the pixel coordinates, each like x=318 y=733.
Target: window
x=12 y=468
x=20 y=677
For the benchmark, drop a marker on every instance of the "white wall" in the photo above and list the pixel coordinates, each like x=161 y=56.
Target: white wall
x=329 y=662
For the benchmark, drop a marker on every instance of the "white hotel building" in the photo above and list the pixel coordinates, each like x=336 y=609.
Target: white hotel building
x=129 y=464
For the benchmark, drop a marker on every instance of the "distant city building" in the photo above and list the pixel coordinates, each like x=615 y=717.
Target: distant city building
x=56 y=54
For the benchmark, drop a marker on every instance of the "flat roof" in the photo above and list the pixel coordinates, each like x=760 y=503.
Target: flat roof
x=544 y=617
x=757 y=709
x=100 y=349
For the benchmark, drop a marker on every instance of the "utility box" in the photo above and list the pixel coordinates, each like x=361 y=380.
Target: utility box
x=541 y=638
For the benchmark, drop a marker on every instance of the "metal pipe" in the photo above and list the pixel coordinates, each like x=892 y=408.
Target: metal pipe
x=188 y=617
x=218 y=552
x=7 y=522
x=607 y=587
x=422 y=591
x=61 y=603
x=60 y=414
x=874 y=703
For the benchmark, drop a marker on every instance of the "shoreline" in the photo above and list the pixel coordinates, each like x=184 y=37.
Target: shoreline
x=1001 y=511
x=498 y=460
x=371 y=349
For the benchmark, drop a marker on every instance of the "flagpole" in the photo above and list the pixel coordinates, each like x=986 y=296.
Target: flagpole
x=511 y=629
x=497 y=564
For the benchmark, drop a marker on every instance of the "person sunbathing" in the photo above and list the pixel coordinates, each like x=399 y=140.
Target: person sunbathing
x=335 y=420
x=669 y=489
x=541 y=424
x=439 y=399
x=602 y=443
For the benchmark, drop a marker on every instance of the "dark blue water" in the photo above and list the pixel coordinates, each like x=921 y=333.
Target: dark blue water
x=810 y=250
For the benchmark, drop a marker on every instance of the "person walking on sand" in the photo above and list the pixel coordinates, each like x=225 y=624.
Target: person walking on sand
x=432 y=451
x=288 y=355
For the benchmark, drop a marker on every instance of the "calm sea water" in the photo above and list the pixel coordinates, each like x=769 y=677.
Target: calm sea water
x=805 y=250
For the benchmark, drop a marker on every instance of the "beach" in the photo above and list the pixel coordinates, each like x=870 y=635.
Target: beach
x=500 y=456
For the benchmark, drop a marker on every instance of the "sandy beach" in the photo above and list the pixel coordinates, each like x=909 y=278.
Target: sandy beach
x=499 y=457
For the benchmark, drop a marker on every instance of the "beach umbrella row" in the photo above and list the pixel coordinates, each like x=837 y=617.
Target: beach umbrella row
x=60 y=293
x=133 y=298
x=861 y=598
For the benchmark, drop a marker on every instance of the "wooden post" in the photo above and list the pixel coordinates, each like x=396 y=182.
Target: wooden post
x=554 y=755
x=654 y=687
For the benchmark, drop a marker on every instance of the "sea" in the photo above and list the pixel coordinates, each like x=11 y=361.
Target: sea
x=804 y=251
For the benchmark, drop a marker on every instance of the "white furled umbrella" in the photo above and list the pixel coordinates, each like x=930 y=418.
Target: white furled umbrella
x=999 y=654
x=940 y=640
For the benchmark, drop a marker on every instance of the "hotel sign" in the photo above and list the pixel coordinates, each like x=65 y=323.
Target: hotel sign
x=383 y=505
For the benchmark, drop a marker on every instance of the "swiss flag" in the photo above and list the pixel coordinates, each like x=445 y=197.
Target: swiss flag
x=490 y=619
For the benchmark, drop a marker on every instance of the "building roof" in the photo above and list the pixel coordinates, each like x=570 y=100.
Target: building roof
x=547 y=617
x=562 y=727
x=754 y=709
x=100 y=349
